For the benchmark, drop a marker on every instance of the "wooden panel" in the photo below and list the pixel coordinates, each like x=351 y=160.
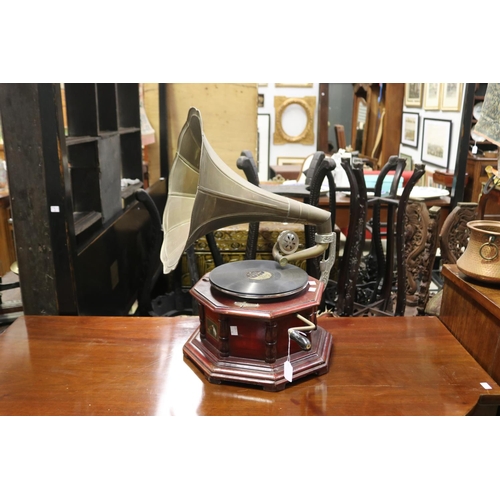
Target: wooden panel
x=471 y=312
x=228 y=111
x=40 y=197
x=391 y=138
x=61 y=365
x=151 y=105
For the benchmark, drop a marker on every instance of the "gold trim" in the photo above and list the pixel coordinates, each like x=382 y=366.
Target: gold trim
x=308 y=103
x=295 y=85
x=456 y=106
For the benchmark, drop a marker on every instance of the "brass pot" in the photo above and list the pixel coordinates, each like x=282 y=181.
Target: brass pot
x=481 y=259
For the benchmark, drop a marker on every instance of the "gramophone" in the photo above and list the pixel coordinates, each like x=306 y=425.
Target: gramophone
x=257 y=317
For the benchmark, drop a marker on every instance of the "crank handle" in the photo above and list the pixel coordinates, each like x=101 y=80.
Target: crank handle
x=303 y=341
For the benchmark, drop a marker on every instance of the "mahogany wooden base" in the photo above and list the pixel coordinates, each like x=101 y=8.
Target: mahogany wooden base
x=270 y=376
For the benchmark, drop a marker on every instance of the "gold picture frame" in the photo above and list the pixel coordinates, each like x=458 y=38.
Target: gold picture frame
x=287 y=160
x=451 y=96
x=413 y=95
x=297 y=85
x=306 y=136
x=432 y=96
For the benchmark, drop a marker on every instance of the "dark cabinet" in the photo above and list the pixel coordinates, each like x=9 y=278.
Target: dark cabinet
x=81 y=238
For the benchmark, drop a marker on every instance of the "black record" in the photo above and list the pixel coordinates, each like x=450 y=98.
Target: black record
x=258 y=279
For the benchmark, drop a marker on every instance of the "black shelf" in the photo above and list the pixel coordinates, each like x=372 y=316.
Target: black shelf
x=81 y=109
x=84 y=220
x=106 y=105
x=128 y=105
x=104 y=146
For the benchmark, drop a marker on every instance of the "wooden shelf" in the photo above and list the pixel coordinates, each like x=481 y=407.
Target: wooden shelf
x=83 y=220
x=70 y=141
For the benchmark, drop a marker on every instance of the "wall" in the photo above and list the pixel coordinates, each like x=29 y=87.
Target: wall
x=416 y=153
x=340 y=112
x=292 y=150
x=229 y=113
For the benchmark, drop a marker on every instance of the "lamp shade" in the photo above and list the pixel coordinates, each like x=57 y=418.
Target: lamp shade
x=488 y=124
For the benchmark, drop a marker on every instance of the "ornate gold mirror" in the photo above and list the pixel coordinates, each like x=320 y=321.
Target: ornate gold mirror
x=294 y=119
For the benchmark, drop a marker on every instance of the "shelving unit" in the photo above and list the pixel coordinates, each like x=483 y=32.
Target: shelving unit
x=81 y=241
x=103 y=128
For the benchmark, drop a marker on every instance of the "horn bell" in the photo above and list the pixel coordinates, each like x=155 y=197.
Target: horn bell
x=205 y=194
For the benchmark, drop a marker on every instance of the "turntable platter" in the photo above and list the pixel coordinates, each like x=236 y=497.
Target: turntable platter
x=258 y=279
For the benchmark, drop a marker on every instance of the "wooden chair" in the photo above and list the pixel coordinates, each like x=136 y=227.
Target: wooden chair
x=454 y=237
x=421 y=243
x=350 y=261
x=247 y=163
x=454 y=234
x=452 y=241
x=381 y=288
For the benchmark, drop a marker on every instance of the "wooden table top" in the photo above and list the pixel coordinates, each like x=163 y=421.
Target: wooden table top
x=63 y=365
x=341 y=199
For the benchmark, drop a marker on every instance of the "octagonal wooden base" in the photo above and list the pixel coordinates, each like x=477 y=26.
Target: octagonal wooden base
x=269 y=376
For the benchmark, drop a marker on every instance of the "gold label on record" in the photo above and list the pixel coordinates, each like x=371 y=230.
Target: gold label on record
x=259 y=275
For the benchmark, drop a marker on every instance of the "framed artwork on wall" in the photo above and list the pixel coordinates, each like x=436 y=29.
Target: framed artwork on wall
x=432 y=96
x=287 y=160
x=413 y=95
x=436 y=139
x=409 y=129
x=451 y=96
x=409 y=161
x=298 y=85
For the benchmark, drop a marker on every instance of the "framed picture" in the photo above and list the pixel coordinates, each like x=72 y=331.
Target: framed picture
x=436 y=142
x=413 y=95
x=432 y=96
x=298 y=85
x=263 y=145
x=451 y=97
x=286 y=160
x=409 y=161
x=409 y=130
x=260 y=100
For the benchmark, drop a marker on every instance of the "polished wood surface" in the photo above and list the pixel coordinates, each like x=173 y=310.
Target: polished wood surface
x=77 y=365
x=471 y=311
x=343 y=202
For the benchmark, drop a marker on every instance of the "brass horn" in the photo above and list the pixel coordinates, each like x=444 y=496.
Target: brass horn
x=205 y=194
